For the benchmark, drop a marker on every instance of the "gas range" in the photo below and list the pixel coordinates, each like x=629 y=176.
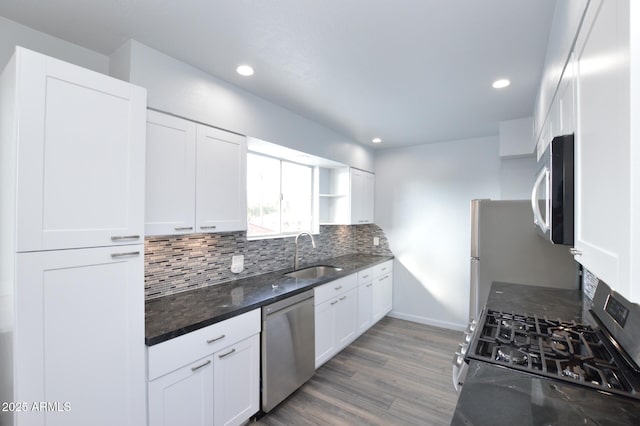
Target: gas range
x=553 y=348
x=602 y=355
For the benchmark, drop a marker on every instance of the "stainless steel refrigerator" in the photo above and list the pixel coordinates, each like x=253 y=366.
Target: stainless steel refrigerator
x=506 y=247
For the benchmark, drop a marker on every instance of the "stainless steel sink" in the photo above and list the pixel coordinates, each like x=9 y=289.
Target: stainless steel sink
x=314 y=272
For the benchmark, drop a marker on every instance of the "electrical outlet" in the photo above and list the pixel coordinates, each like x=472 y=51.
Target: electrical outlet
x=376 y=241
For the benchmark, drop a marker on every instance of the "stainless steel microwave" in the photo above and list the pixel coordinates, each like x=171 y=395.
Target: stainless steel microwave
x=552 y=198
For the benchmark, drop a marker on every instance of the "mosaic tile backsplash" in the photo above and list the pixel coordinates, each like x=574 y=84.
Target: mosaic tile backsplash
x=184 y=262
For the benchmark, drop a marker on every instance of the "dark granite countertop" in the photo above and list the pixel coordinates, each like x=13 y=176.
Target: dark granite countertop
x=171 y=316
x=496 y=395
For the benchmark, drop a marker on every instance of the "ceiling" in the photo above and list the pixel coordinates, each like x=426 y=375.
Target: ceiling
x=407 y=71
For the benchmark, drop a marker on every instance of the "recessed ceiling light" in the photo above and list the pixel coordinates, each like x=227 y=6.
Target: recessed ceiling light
x=376 y=140
x=245 y=70
x=501 y=84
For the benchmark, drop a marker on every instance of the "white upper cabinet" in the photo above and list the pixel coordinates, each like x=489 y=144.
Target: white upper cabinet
x=565 y=25
x=603 y=148
x=221 y=181
x=170 y=175
x=80 y=138
x=196 y=177
x=361 y=193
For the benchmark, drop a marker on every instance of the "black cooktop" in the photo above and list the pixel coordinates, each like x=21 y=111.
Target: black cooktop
x=565 y=350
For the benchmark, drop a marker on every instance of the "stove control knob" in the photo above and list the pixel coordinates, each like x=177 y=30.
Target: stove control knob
x=462 y=348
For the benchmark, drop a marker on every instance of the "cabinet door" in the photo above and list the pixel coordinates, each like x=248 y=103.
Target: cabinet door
x=221 y=181
x=365 y=294
x=237 y=382
x=355 y=194
x=325 y=331
x=603 y=145
x=361 y=196
x=367 y=197
x=566 y=94
x=183 y=397
x=80 y=335
x=170 y=200
x=346 y=318
x=382 y=297
x=387 y=293
x=81 y=163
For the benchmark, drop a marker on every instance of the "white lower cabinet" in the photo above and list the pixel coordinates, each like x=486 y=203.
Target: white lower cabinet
x=365 y=300
x=336 y=308
x=183 y=397
x=382 y=297
x=348 y=307
x=220 y=386
x=236 y=384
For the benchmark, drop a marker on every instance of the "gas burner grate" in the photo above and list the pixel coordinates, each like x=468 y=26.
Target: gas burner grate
x=566 y=350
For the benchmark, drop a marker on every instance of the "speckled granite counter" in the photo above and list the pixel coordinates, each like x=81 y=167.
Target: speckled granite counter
x=495 y=395
x=171 y=316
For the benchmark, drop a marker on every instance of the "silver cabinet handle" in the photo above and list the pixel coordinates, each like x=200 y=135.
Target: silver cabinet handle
x=383 y=269
x=183 y=228
x=364 y=277
x=208 y=227
x=125 y=237
x=227 y=354
x=343 y=297
x=333 y=303
x=204 y=364
x=368 y=285
x=130 y=253
x=574 y=251
x=338 y=288
x=383 y=278
x=215 y=339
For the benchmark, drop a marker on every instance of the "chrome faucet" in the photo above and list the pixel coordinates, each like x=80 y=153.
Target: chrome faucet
x=295 y=256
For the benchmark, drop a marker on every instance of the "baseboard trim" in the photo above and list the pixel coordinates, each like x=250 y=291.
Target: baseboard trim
x=428 y=321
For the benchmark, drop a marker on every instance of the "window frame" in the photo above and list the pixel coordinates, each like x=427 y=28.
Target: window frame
x=315 y=227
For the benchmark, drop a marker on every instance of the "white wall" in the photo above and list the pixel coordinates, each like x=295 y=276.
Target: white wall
x=516 y=177
x=422 y=203
x=12 y=34
x=183 y=90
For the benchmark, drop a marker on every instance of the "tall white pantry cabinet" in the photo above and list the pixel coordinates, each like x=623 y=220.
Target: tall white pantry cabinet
x=72 y=149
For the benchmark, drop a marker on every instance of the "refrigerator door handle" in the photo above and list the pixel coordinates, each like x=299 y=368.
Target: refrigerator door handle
x=474 y=309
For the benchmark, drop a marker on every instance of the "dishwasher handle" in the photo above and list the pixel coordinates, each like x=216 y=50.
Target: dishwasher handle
x=286 y=303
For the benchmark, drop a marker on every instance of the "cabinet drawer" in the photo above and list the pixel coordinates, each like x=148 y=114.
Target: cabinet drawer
x=365 y=276
x=334 y=288
x=383 y=268
x=175 y=353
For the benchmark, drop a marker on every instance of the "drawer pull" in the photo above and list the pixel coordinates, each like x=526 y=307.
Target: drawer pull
x=338 y=288
x=333 y=303
x=204 y=364
x=365 y=276
x=368 y=285
x=130 y=253
x=343 y=297
x=383 y=269
x=215 y=339
x=125 y=237
x=227 y=354
x=208 y=227
x=183 y=228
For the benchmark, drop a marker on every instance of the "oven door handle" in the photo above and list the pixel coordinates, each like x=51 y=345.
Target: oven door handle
x=458 y=366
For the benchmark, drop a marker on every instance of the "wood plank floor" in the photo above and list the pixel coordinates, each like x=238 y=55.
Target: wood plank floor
x=397 y=373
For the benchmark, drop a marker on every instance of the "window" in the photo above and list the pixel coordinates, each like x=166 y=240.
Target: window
x=280 y=197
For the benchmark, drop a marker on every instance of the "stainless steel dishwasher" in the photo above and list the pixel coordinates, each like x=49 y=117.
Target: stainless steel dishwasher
x=288 y=347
